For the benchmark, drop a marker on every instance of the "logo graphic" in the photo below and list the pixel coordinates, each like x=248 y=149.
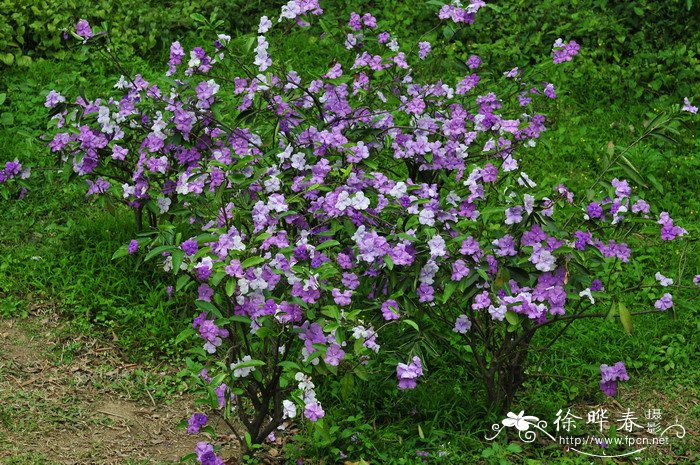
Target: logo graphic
x=529 y=428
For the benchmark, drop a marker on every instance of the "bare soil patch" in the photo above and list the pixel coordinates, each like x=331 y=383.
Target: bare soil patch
x=58 y=403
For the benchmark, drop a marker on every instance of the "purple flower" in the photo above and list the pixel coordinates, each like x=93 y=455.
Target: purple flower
x=594 y=210
x=82 y=28
x=549 y=90
x=481 y=300
x=314 y=411
x=208 y=331
x=53 y=99
x=355 y=21
x=583 y=238
x=416 y=106
x=622 y=188
x=459 y=270
x=668 y=230
x=640 y=206
x=190 y=246
x=369 y=21
x=596 y=285
x=133 y=246
x=426 y=293
x=390 y=310
x=205 y=454
x=423 y=50
x=205 y=293
x=437 y=246
x=196 y=422
x=564 y=51
x=663 y=280
x=665 y=302
x=514 y=215
x=610 y=375
x=462 y=324
x=688 y=107
x=99 y=186
x=473 y=62
x=489 y=173
x=505 y=246
x=342 y=298
x=177 y=53
x=407 y=374
x=334 y=355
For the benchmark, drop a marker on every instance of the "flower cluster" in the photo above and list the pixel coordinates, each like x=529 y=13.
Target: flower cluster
x=610 y=375
x=564 y=51
x=13 y=169
x=409 y=373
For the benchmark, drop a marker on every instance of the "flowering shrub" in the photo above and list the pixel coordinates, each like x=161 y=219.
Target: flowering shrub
x=315 y=213
x=13 y=171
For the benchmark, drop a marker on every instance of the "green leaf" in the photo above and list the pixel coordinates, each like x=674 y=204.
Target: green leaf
x=249 y=364
x=178 y=255
x=449 y=290
x=625 y=317
x=186 y=333
x=252 y=261
x=3 y=97
x=361 y=372
x=389 y=262
x=208 y=307
x=512 y=317
x=121 y=252
x=198 y=18
x=411 y=323
x=230 y=287
x=327 y=244
x=347 y=384
x=7 y=119
x=158 y=250
x=7 y=58
x=239 y=319
x=182 y=282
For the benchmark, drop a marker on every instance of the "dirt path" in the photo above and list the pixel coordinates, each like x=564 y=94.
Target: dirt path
x=64 y=398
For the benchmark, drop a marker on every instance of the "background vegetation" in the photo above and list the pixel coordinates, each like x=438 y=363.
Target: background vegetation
x=637 y=57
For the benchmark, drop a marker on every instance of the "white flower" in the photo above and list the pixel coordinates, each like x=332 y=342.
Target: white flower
x=399 y=190
x=289 y=409
x=663 y=280
x=163 y=204
x=265 y=25
x=426 y=217
x=528 y=203
x=242 y=372
x=343 y=201
x=437 y=246
x=360 y=202
x=587 y=293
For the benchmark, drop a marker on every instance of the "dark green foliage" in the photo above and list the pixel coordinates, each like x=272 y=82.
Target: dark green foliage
x=34 y=29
